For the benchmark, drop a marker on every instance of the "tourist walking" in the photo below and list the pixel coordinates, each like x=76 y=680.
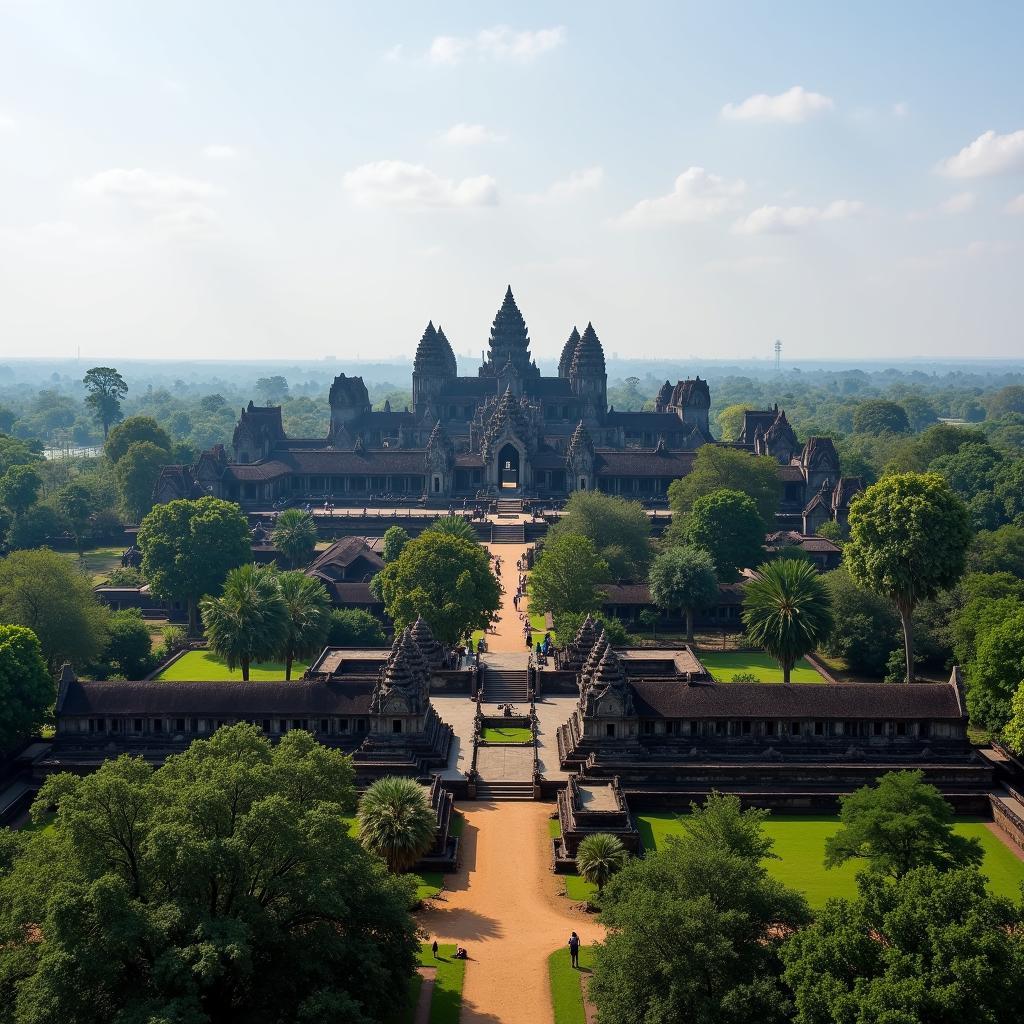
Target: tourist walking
x=574 y=949
x=433 y=946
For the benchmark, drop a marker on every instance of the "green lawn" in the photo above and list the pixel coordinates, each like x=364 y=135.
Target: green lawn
x=723 y=665
x=506 y=734
x=800 y=843
x=98 y=562
x=554 y=828
x=578 y=890
x=566 y=993
x=205 y=666
x=446 y=1001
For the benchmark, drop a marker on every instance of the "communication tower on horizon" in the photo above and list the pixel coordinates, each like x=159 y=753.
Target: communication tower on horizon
x=778 y=355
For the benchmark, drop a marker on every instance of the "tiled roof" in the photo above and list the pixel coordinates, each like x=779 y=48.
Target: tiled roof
x=250 y=700
x=352 y=592
x=342 y=553
x=643 y=463
x=791 y=473
x=662 y=422
x=372 y=461
x=672 y=699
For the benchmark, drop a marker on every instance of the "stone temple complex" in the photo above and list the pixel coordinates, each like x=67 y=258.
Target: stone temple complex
x=508 y=431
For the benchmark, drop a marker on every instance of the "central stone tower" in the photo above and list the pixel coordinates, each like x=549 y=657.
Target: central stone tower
x=509 y=345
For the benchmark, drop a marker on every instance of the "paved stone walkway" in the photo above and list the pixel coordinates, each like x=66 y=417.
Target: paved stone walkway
x=505 y=763
x=504 y=908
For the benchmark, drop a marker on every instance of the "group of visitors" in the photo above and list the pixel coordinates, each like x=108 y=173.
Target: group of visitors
x=462 y=954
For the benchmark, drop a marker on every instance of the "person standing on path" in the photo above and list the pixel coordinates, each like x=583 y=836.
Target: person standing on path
x=574 y=950
x=434 y=948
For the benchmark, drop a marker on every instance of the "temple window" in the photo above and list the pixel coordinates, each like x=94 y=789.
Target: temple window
x=396 y=725
x=137 y=725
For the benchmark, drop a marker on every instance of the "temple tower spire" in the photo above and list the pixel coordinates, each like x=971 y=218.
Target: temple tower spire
x=509 y=342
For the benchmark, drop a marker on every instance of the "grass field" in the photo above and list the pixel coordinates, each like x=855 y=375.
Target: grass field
x=205 y=666
x=446 y=1002
x=723 y=665
x=800 y=845
x=507 y=734
x=566 y=994
x=98 y=562
x=554 y=828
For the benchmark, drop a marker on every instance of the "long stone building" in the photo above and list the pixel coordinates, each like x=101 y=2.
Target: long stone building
x=508 y=431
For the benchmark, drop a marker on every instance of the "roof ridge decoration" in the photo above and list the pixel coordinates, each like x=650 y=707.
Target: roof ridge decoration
x=609 y=691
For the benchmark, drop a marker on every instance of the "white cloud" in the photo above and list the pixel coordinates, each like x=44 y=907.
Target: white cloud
x=987 y=155
x=789 y=219
x=397 y=183
x=220 y=151
x=463 y=134
x=589 y=179
x=792 y=106
x=697 y=196
x=43 y=232
x=743 y=264
x=145 y=188
x=962 y=202
x=498 y=43
x=1015 y=205
x=901 y=109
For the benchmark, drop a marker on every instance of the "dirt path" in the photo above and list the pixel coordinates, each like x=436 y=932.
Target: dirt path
x=509 y=634
x=502 y=906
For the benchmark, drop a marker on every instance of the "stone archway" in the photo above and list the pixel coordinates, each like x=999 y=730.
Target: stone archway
x=508 y=468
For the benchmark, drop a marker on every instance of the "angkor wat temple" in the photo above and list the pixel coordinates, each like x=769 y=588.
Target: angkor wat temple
x=508 y=431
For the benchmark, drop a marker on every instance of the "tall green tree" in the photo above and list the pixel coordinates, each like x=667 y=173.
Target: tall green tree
x=295 y=536
x=932 y=946
x=137 y=472
x=619 y=530
x=899 y=824
x=447 y=580
x=249 y=621
x=786 y=611
x=599 y=857
x=1013 y=733
x=133 y=430
x=718 y=468
x=48 y=594
x=19 y=489
x=220 y=888
x=74 y=502
x=865 y=627
x=880 y=416
x=567 y=575
x=695 y=931
x=684 y=578
x=26 y=688
x=105 y=388
x=354 y=627
x=726 y=524
x=997 y=669
x=188 y=547
x=396 y=822
x=908 y=540
x=129 y=649
x=395 y=538
x=454 y=526
x=309 y=616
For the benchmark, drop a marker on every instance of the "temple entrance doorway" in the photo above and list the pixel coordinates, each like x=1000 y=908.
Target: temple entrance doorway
x=508 y=467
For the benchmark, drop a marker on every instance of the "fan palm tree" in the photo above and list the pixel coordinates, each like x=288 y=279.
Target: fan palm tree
x=295 y=536
x=309 y=616
x=455 y=526
x=248 y=622
x=600 y=856
x=787 y=611
x=396 y=822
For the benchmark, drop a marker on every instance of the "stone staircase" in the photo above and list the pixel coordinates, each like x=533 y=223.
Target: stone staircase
x=510 y=506
x=503 y=685
x=508 y=533
x=493 y=789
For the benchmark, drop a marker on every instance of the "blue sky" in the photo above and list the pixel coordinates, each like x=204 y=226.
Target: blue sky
x=229 y=179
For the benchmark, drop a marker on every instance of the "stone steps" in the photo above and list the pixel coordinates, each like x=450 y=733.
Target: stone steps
x=502 y=789
x=510 y=506
x=503 y=685
x=508 y=533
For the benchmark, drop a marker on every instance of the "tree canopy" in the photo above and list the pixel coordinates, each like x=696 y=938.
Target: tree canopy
x=354 y=627
x=567 y=575
x=137 y=472
x=188 y=547
x=448 y=580
x=308 y=608
x=249 y=621
x=865 y=626
x=908 y=539
x=931 y=946
x=695 y=930
x=220 y=888
x=133 y=430
x=295 y=536
x=129 y=649
x=880 y=416
x=47 y=593
x=619 y=530
x=395 y=538
x=105 y=388
x=26 y=688
x=786 y=611
x=717 y=468
x=684 y=578
x=899 y=824
x=19 y=489
x=396 y=822
x=727 y=525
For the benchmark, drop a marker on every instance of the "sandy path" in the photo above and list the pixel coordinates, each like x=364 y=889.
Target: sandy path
x=504 y=908
x=509 y=635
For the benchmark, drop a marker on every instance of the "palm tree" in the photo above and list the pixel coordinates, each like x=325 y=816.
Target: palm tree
x=787 y=611
x=295 y=536
x=600 y=856
x=309 y=616
x=248 y=622
x=455 y=526
x=396 y=822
